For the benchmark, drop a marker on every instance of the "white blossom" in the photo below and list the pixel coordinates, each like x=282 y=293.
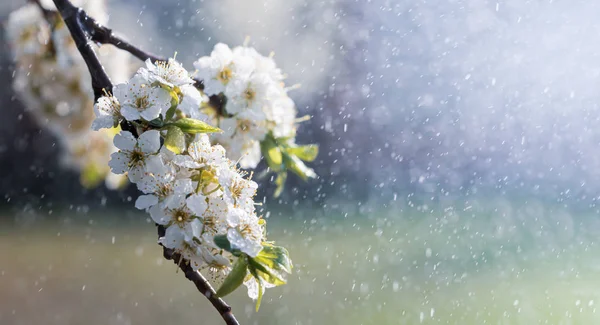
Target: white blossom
x=170 y=73
x=282 y=116
x=221 y=67
x=192 y=102
x=139 y=99
x=200 y=153
x=245 y=233
x=162 y=186
x=237 y=190
x=108 y=113
x=257 y=102
x=241 y=139
x=135 y=155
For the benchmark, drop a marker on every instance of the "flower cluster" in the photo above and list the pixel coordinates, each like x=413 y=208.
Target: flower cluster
x=189 y=186
x=53 y=82
x=256 y=101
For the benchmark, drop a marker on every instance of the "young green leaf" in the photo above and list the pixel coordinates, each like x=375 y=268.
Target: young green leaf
x=275 y=257
x=156 y=123
x=260 y=286
x=174 y=103
x=298 y=167
x=280 y=182
x=270 y=276
x=193 y=126
x=235 y=277
x=260 y=293
x=306 y=153
x=272 y=153
x=175 y=139
x=222 y=242
x=170 y=112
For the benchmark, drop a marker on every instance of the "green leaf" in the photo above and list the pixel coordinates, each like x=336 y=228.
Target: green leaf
x=175 y=139
x=306 y=153
x=170 y=112
x=222 y=242
x=270 y=276
x=298 y=167
x=260 y=286
x=272 y=153
x=174 y=103
x=156 y=123
x=235 y=277
x=275 y=257
x=193 y=126
x=280 y=182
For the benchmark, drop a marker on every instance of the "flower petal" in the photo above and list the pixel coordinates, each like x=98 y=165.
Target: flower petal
x=149 y=142
x=103 y=122
x=183 y=186
x=129 y=112
x=155 y=165
x=197 y=204
x=146 y=201
x=151 y=113
x=124 y=141
x=251 y=157
x=193 y=229
x=157 y=213
x=174 y=237
x=136 y=174
x=186 y=161
x=119 y=162
x=248 y=246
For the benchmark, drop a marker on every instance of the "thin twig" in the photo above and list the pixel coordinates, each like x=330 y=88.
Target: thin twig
x=84 y=30
x=104 y=35
x=201 y=283
x=72 y=16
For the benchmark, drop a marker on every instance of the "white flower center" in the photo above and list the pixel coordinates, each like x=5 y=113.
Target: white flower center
x=164 y=190
x=225 y=75
x=249 y=94
x=136 y=157
x=142 y=103
x=181 y=217
x=244 y=125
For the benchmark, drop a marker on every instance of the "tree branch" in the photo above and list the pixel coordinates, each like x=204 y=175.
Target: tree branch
x=84 y=30
x=104 y=35
x=72 y=16
x=201 y=283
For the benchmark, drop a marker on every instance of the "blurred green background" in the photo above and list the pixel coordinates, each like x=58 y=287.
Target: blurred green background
x=435 y=264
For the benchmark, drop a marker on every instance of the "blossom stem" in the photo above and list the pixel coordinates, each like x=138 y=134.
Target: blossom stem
x=201 y=283
x=84 y=31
